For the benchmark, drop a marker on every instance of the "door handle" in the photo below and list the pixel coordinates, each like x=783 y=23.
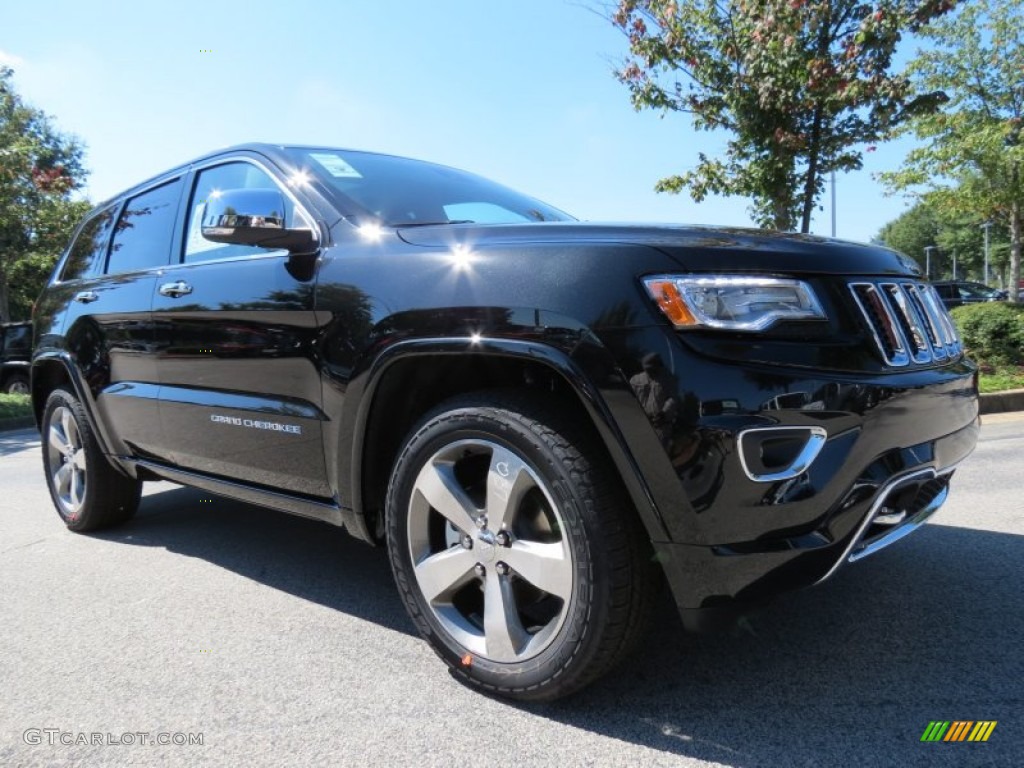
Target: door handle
x=176 y=289
x=86 y=296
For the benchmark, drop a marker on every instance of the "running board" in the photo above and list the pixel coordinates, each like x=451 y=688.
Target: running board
x=296 y=505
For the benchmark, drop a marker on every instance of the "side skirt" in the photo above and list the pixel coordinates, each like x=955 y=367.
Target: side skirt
x=296 y=505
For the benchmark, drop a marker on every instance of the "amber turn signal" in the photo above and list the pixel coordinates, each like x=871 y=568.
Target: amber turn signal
x=666 y=294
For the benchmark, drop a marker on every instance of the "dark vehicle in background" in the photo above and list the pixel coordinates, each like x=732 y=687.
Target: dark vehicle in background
x=541 y=420
x=15 y=355
x=956 y=293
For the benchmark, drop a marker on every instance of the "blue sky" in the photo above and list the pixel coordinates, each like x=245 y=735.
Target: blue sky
x=520 y=91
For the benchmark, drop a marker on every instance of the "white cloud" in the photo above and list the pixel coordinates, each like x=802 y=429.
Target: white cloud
x=10 y=60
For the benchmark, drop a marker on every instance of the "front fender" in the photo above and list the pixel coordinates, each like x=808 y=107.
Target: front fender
x=586 y=367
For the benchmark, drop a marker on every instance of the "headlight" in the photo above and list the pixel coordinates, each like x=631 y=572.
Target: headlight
x=734 y=303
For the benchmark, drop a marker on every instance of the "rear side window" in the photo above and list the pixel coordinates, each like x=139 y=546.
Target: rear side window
x=89 y=248
x=142 y=236
x=19 y=337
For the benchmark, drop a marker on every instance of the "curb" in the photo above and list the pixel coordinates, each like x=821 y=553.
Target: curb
x=18 y=422
x=1001 y=402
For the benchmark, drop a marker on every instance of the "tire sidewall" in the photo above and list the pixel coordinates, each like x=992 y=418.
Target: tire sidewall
x=573 y=642
x=92 y=513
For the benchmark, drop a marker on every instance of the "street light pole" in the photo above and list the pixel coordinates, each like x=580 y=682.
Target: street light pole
x=833 y=203
x=954 y=264
x=928 y=261
x=986 y=226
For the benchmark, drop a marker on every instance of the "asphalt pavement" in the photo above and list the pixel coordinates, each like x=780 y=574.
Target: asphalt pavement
x=281 y=641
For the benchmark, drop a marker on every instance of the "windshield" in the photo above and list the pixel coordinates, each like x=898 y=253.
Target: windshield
x=977 y=291
x=400 y=192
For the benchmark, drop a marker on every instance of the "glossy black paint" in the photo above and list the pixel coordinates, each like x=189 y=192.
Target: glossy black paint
x=239 y=348
x=329 y=344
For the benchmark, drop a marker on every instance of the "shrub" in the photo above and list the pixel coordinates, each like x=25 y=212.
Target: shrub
x=993 y=332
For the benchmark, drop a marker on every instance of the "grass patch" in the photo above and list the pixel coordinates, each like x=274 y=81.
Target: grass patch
x=15 y=406
x=1001 y=379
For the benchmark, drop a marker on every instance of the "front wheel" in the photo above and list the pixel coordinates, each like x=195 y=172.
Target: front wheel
x=513 y=547
x=86 y=490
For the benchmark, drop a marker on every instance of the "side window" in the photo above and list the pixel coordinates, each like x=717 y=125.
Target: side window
x=945 y=291
x=208 y=184
x=89 y=248
x=20 y=338
x=142 y=236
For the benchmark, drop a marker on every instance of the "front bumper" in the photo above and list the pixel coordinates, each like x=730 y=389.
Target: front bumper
x=713 y=584
x=736 y=537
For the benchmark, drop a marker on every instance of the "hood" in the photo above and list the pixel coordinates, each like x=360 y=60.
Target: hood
x=697 y=248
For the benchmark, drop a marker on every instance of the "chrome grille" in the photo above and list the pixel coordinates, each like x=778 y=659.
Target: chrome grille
x=907 y=321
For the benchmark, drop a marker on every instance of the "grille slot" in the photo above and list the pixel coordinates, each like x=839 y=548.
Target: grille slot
x=907 y=321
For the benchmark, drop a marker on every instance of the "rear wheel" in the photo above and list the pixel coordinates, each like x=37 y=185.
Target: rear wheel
x=86 y=490
x=16 y=384
x=514 y=549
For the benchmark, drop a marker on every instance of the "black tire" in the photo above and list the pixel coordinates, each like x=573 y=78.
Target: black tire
x=613 y=578
x=17 y=384
x=87 y=491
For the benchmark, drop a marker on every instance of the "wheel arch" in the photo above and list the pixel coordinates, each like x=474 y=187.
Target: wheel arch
x=51 y=370
x=428 y=369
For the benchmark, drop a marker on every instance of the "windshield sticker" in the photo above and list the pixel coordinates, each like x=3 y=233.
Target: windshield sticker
x=336 y=165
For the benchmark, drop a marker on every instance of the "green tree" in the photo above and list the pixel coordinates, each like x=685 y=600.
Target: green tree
x=912 y=231
x=40 y=169
x=971 y=156
x=951 y=232
x=800 y=85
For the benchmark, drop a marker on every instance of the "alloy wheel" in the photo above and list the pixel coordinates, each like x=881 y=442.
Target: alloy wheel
x=489 y=550
x=66 y=456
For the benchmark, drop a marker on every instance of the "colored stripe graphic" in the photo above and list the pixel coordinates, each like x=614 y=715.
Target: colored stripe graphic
x=958 y=730
x=982 y=730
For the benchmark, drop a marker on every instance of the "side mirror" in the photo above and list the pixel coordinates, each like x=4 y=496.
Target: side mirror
x=253 y=217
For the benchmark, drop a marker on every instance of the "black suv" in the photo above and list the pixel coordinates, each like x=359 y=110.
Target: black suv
x=956 y=293
x=15 y=353
x=541 y=419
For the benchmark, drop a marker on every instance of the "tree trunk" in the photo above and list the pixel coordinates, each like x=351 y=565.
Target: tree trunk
x=812 y=174
x=5 y=306
x=782 y=214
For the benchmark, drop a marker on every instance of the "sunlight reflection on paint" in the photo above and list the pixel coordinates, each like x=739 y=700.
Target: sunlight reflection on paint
x=461 y=258
x=371 y=232
x=299 y=179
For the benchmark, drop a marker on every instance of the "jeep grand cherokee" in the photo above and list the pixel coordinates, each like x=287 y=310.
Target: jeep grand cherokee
x=539 y=418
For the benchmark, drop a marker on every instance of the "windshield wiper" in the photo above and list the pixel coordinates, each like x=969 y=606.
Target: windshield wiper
x=405 y=224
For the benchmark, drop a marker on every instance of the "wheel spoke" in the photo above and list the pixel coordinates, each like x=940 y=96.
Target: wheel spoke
x=546 y=566
x=57 y=440
x=507 y=481
x=61 y=478
x=67 y=423
x=503 y=631
x=78 y=459
x=440 y=574
x=438 y=486
x=75 y=488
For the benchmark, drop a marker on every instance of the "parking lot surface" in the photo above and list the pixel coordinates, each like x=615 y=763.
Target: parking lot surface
x=281 y=641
